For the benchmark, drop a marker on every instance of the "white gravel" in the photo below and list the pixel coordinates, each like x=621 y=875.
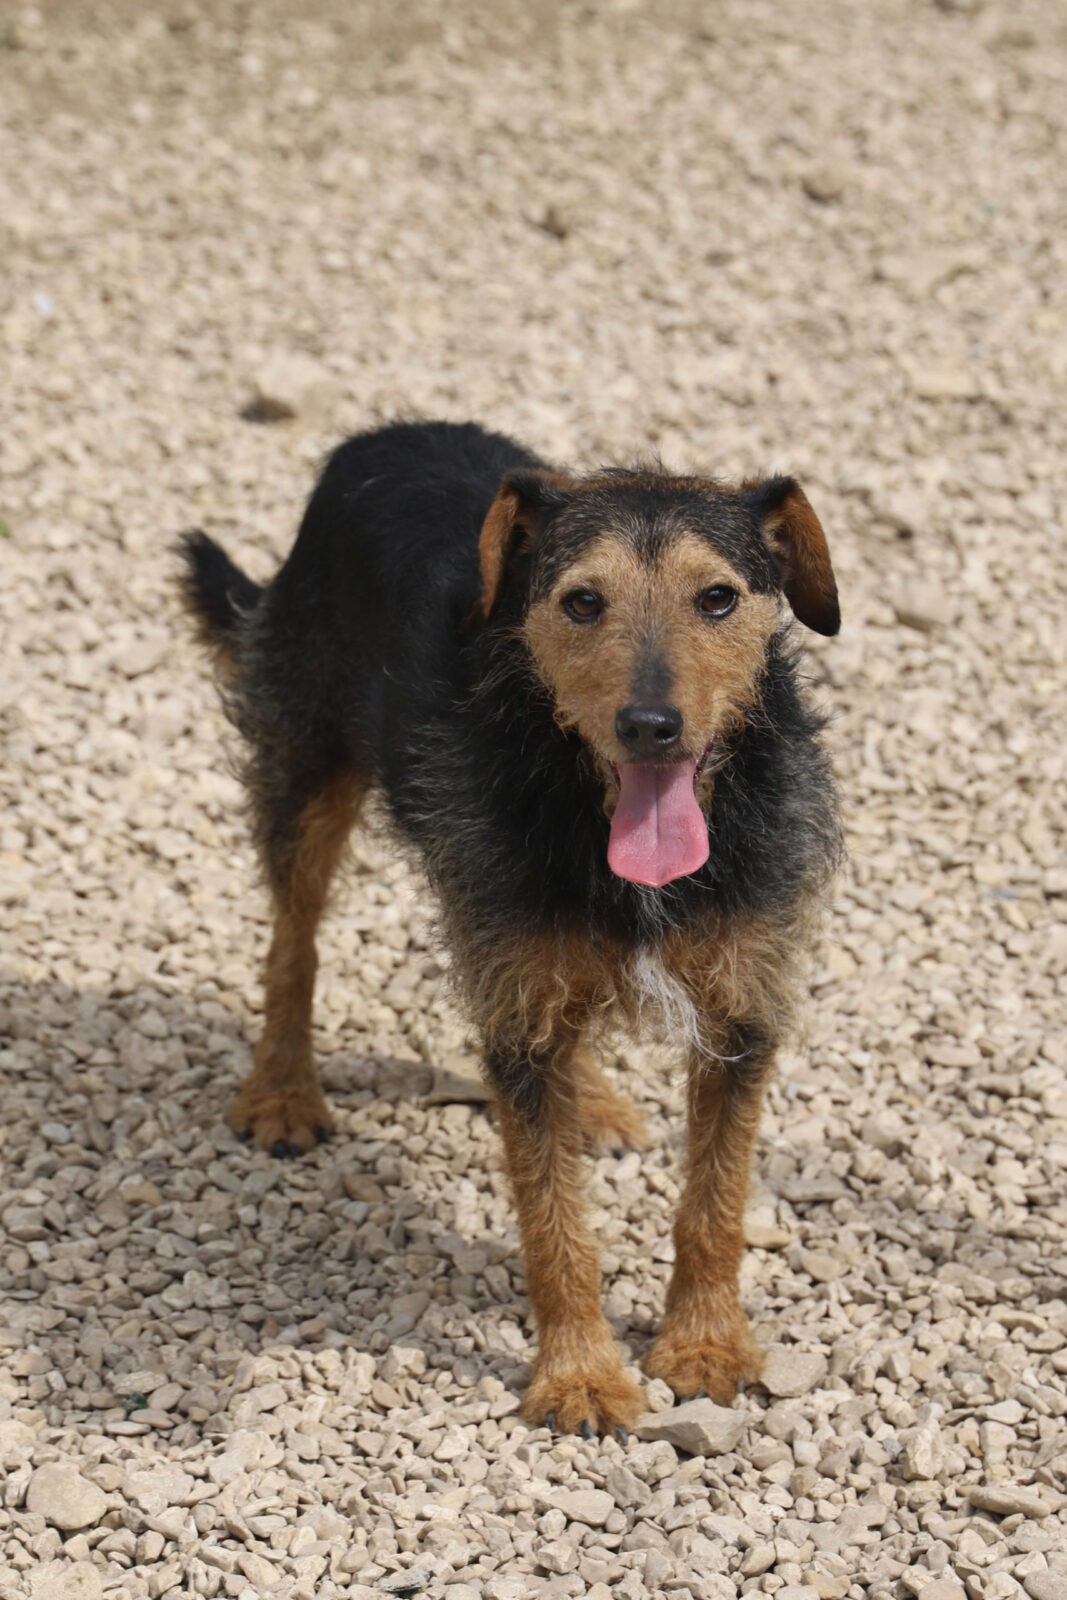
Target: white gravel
x=816 y=236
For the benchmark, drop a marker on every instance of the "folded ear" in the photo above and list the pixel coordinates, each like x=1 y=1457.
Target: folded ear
x=510 y=528
x=794 y=534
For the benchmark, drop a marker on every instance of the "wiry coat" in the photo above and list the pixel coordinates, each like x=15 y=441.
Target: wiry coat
x=374 y=658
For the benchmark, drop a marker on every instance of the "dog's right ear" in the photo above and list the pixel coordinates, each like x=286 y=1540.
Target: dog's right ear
x=525 y=497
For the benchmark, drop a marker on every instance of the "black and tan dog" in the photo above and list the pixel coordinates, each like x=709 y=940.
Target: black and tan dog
x=578 y=697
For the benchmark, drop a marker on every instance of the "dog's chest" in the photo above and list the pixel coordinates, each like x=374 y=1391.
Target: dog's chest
x=659 y=1000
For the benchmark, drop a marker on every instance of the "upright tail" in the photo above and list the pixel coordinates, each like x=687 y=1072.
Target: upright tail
x=217 y=595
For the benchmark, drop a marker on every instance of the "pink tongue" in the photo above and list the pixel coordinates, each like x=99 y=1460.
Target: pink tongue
x=658 y=832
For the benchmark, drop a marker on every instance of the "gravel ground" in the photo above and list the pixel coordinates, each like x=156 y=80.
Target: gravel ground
x=804 y=235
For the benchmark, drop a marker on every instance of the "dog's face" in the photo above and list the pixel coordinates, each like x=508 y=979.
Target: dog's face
x=648 y=605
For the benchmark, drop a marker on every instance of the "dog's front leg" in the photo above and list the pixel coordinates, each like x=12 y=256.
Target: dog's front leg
x=578 y=1383
x=704 y=1345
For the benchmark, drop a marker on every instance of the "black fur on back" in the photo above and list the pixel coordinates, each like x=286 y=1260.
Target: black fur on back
x=356 y=656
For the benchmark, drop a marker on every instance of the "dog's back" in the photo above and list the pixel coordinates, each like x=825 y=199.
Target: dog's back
x=367 y=609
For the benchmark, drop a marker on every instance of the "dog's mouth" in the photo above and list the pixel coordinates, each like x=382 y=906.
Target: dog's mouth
x=658 y=831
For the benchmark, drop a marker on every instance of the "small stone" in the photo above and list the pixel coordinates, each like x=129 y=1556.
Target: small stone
x=758 y=1559
x=409 y=1582
x=625 y=1487
x=64 y=1498
x=498 y=1588
x=821 y=1266
x=699 y=1427
x=924 y=1452
x=946 y=1588
x=456 y=1088
x=291 y=383
x=1005 y=1500
x=261 y=1574
x=823 y=183
x=658 y=1568
x=79 y=1580
x=1046 y=1585
x=829 y=1585
x=555 y=221
x=946 y=383
x=922 y=607
x=591 y=1506
x=1007 y=1411
x=559 y=1555
x=886 y=1131
x=788 y=1372
x=159 y=1488
x=765 y=1235
x=143 y=655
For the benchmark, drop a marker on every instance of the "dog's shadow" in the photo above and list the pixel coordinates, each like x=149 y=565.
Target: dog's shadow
x=130 y=1205
x=137 y=1226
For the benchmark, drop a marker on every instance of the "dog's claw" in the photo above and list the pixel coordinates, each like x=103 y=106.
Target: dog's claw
x=322 y=1133
x=586 y=1431
x=622 y=1434
x=618 y=1152
x=284 y=1149
x=550 y=1421
x=245 y=1136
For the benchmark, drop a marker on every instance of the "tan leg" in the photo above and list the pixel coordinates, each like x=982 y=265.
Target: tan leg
x=704 y=1345
x=280 y=1104
x=578 y=1383
x=610 y=1121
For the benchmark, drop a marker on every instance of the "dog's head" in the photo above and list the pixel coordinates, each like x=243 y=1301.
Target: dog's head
x=647 y=604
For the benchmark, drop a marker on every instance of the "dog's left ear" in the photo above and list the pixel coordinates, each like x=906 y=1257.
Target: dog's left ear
x=511 y=527
x=794 y=535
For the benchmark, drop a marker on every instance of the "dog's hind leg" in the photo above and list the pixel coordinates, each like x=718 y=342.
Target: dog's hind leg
x=578 y=1383
x=704 y=1345
x=280 y=1105
x=610 y=1120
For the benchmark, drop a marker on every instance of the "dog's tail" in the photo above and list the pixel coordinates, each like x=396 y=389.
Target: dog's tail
x=217 y=594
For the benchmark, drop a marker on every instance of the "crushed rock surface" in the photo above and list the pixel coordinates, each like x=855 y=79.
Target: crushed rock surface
x=823 y=238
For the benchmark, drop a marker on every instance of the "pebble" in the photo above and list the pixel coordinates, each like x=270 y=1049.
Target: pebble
x=946 y=1588
x=788 y=1373
x=558 y=1555
x=921 y=606
x=64 y=1498
x=924 y=1452
x=591 y=1506
x=1007 y=1501
x=824 y=183
x=410 y=1582
x=1046 y=1585
x=78 y=1580
x=698 y=1427
x=290 y=383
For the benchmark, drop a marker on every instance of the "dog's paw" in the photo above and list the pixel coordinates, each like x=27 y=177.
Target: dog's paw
x=602 y=1401
x=715 y=1366
x=611 y=1121
x=285 y=1122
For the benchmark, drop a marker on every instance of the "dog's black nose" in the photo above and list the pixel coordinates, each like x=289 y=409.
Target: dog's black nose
x=648 y=730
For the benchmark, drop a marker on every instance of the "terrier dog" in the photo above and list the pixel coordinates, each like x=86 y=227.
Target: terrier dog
x=579 y=699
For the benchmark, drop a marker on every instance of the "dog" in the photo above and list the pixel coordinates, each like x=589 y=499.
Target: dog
x=579 y=699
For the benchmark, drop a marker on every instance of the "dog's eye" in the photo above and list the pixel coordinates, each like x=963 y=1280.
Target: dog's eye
x=718 y=601
x=583 y=605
